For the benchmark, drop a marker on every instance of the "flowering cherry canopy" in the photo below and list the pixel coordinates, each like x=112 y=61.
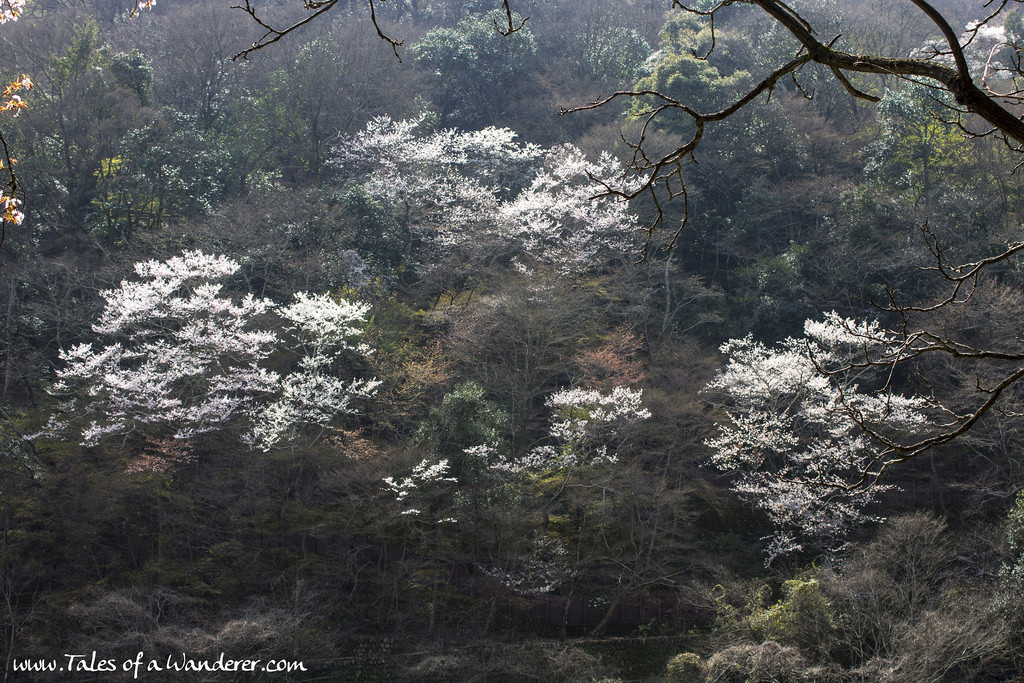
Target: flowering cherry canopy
x=460 y=187
x=806 y=422
x=178 y=357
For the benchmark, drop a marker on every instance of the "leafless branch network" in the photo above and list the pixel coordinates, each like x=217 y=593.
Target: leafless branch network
x=317 y=9
x=513 y=27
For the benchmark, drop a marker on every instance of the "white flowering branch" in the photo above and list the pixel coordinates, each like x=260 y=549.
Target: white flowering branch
x=457 y=189
x=806 y=440
x=584 y=423
x=179 y=358
x=424 y=478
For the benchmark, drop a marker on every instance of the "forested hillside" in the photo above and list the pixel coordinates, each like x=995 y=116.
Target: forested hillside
x=541 y=341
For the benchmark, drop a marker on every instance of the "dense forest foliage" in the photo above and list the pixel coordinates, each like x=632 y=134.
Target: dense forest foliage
x=321 y=356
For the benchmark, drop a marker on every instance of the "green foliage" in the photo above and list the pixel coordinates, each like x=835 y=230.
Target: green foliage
x=770 y=289
x=684 y=668
x=81 y=54
x=677 y=70
x=475 y=66
x=1012 y=571
x=1014 y=25
x=768 y=662
x=463 y=420
x=221 y=571
x=133 y=71
x=691 y=81
x=685 y=33
x=299 y=110
x=606 y=52
x=379 y=238
x=166 y=171
x=803 y=617
x=917 y=152
x=863 y=212
x=18 y=457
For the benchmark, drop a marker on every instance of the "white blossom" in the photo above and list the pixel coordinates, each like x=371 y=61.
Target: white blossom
x=583 y=424
x=327 y=323
x=539 y=570
x=10 y=10
x=424 y=478
x=796 y=434
x=453 y=177
x=458 y=188
x=179 y=356
x=559 y=220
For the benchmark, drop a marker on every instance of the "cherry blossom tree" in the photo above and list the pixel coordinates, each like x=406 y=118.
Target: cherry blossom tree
x=425 y=478
x=584 y=424
x=809 y=427
x=442 y=187
x=456 y=189
x=326 y=331
x=180 y=358
x=559 y=220
x=542 y=567
x=586 y=428
x=445 y=179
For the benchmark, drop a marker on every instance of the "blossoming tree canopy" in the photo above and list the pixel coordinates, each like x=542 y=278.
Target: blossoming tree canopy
x=806 y=432
x=452 y=174
x=457 y=187
x=584 y=424
x=560 y=221
x=322 y=331
x=181 y=358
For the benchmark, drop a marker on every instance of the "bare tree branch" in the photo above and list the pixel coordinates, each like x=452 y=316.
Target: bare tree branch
x=512 y=27
x=318 y=8
x=11 y=188
x=658 y=173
